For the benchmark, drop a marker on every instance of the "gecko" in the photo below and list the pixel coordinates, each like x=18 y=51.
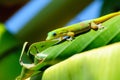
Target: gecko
x=79 y=28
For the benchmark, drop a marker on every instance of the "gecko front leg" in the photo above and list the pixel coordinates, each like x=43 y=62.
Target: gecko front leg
x=95 y=26
x=70 y=36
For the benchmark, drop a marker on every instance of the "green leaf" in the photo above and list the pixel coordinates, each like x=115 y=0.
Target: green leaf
x=7 y=40
x=97 y=64
x=27 y=62
x=90 y=40
x=26 y=59
x=9 y=55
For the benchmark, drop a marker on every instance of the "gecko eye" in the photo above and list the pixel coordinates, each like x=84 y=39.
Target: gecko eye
x=54 y=34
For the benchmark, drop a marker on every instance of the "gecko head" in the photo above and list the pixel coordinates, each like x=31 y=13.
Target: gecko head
x=51 y=35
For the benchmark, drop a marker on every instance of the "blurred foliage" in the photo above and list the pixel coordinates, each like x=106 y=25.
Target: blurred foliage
x=7 y=40
x=98 y=64
x=9 y=66
x=8 y=8
x=12 y=2
x=110 y=6
x=9 y=55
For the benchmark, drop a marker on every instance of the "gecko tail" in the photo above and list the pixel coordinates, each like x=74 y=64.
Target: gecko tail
x=106 y=17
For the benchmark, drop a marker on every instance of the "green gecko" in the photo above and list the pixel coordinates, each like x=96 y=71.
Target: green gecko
x=79 y=28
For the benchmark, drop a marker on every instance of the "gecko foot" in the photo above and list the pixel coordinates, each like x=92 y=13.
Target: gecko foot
x=100 y=26
x=66 y=38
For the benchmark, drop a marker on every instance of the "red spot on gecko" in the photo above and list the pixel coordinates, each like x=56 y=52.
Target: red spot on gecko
x=81 y=24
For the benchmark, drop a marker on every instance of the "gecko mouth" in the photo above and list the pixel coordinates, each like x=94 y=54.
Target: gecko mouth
x=48 y=38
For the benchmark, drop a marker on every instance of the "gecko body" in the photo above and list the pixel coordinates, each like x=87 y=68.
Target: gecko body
x=80 y=27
